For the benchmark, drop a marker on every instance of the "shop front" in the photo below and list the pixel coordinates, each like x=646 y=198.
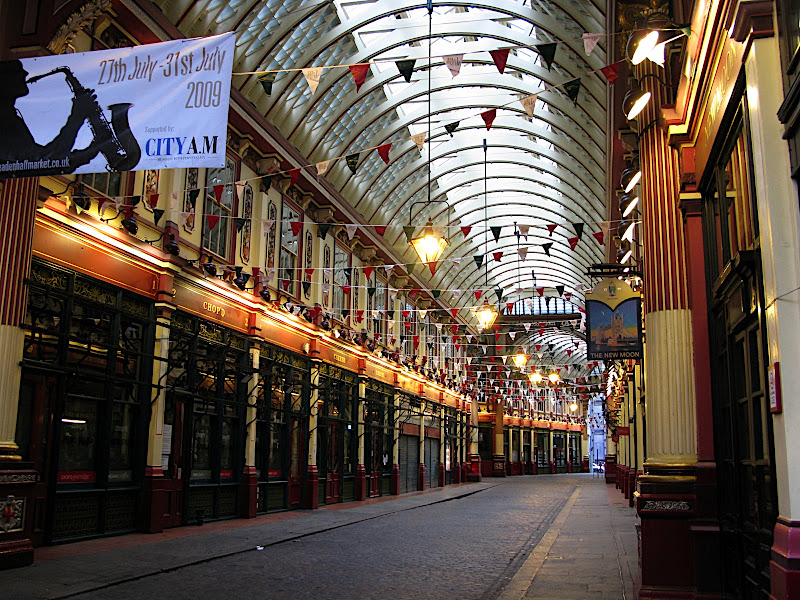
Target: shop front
x=541 y=451
x=379 y=412
x=409 y=416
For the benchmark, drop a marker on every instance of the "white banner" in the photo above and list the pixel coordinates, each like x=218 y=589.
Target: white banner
x=156 y=106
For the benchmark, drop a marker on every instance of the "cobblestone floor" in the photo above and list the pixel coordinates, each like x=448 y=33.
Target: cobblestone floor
x=562 y=536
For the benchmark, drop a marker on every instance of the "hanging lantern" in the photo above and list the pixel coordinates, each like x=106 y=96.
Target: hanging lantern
x=486 y=315
x=430 y=245
x=520 y=359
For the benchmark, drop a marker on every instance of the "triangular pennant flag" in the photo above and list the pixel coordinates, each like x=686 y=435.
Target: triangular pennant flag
x=267 y=225
x=523 y=229
x=312 y=75
x=523 y=252
x=419 y=140
x=451 y=127
x=529 y=103
x=572 y=88
x=432 y=266
x=240 y=221
x=406 y=68
x=465 y=230
x=527 y=326
x=306 y=286
x=416 y=340
x=359 y=316
x=410 y=268
x=322 y=167
x=573 y=241
x=380 y=229
x=454 y=313
x=212 y=221
x=383 y=152
x=499 y=292
x=590 y=41
x=388 y=269
x=436 y=294
x=547 y=52
x=371 y=291
x=157 y=214
x=478 y=294
x=578 y=229
x=294 y=175
x=368 y=271
x=497 y=255
x=453 y=62
x=599 y=236
x=348 y=272
x=422 y=314
x=488 y=117
x=511 y=334
x=359 y=73
x=546 y=247
x=409 y=231
x=266 y=80
x=547 y=302
x=345 y=312
x=478 y=260
x=560 y=290
x=611 y=72
x=218 y=189
x=687 y=31
x=406 y=313
x=351 y=229
x=346 y=289
x=352 y=161
x=500 y=57
x=152 y=200
x=323 y=229
x=551 y=228
x=296 y=226
x=309 y=271
x=136 y=199
x=495 y=229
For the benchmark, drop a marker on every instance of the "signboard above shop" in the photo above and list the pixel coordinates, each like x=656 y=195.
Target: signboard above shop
x=613 y=321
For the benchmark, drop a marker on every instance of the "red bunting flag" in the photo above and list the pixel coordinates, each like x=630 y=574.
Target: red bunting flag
x=497 y=336
x=152 y=199
x=359 y=316
x=218 y=192
x=478 y=294
x=569 y=352
x=611 y=72
x=500 y=57
x=465 y=230
x=540 y=291
x=416 y=341
x=454 y=329
x=551 y=228
x=309 y=272
x=509 y=307
x=383 y=152
x=296 y=227
x=380 y=229
x=497 y=255
x=359 y=73
x=294 y=175
x=541 y=331
x=346 y=289
x=488 y=117
x=573 y=241
x=406 y=313
x=454 y=312
x=598 y=235
x=368 y=271
x=432 y=266
x=212 y=221
x=538 y=347
x=568 y=296
x=407 y=325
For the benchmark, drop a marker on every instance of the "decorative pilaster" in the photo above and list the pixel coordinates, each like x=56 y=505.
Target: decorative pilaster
x=498 y=455
x=312 y=478
x=361 y=472
x=249 y=490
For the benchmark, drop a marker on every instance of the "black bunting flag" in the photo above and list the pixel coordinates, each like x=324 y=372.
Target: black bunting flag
x=478 y=260
x=547 y=52
x=266 y=80
x=451 y=127
x=496 y=232
x=323 y=229
x=352 y=161
x=572 y=88
x=546 y=247
x=406 y=68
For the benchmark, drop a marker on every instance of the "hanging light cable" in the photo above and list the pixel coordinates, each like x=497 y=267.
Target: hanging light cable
x=486 y=314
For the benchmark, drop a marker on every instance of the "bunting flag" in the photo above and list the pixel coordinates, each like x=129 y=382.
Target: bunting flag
x=383 y=152
x=152 y=200
x=511 y=334
x=573 y=241
x=529 y=103
x=465 y=230
x=523 y=229
x=454 y=329
x=500 y=57
x=497 y=255
x=419 y=140
x=269 y=223
x=495 y=229
x=611 y=72
x=348 y=272
x=578 y=229
x=560 y=290
x=309 y=271
x=572 y=89
x=266 y=80
x=546 y=247
x=453 y=62
x=306 y=287
x=523 y=253
x=590 y=42
x=388 y=270
x=527 y=327
x=478 y=294
x=371 y=292
x=294 y=175
x=547 y=52
x=451 y=127
x=368 y=271
x=359 y=73
x=599 y=236
x=322 y=167
x=359 y=316
x=240 y=222
x=410 y=268
x=488 y=117
x=345 y=313
x=352 y=161
x=346 y=289
x=266 y=183
x=212 y=221
x=157 y=214
x=323 y=229
x=136 y=199
x=218 y=189
x=454 y=313
x=406 y=68
x=312 y=75
x=409 y=231
x=551 y=228
x=380 y=229
x=296 y=226
x=499 y=292
x=478 y=258
x=351 y=231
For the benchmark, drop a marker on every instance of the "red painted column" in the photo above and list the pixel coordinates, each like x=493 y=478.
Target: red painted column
x=17 y=478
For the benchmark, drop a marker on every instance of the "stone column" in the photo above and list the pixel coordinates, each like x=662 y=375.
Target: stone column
x=249 y=496
x=361 y=472
x=17 y=478
x=498 y=455
x=779 y=221
x=312 y=477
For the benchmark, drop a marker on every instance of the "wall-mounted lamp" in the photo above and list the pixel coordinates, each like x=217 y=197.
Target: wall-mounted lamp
x=170 y=246
x=630 y=177
x=627 y=204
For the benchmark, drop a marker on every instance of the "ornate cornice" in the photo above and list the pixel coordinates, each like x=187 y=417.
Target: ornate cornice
x=83 y=17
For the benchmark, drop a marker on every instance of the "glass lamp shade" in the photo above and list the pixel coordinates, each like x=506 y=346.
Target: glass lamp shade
x=535 y=378
x=520 y=360
x=627 y=204
x=486 y=315
x=634 y=102
x=553 y=377
x=429 y=246
x=643 y=46
x=630 y=177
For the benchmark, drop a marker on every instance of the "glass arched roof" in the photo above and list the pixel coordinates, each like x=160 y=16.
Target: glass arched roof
x=548 y=169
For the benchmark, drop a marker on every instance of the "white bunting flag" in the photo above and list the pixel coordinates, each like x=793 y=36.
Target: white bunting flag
x=523 y=230
x=393 y=293
x=351 y=230
x=453 y=63
x=322 y=167
x=469 y=338
x=590 y=41
x=423 y=314
x=512 y=335
x=419 y=140
x=312 y=75
x=456 y=293
x=268 y=223
x=527 y=326
x=529 y=304
x=529 y=103
x=118 y=203
x=388 y=269
x=173 y=201
x=438 y=327
x=523 y=252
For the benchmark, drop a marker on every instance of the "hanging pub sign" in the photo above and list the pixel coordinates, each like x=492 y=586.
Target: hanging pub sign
x=613 y=321
x=156 y=106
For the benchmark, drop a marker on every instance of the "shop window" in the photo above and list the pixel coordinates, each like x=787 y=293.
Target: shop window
x=107 y=182
x=341 y=261
x=217 y=240
x=290 y=249
x=380 y=306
